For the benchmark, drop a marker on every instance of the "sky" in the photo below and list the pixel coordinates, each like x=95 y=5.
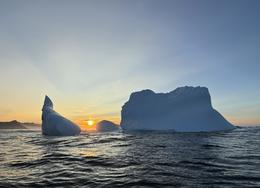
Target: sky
x=89 y=56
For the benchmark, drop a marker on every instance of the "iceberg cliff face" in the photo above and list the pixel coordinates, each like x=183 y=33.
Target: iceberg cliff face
x=53 y=124
x=186 y=109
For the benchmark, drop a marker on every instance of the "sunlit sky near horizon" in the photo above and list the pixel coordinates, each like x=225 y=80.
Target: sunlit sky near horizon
x=88 y=56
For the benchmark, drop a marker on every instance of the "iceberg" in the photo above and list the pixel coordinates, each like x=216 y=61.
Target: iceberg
x=185 y=109
x=53 y=124
x=106 y=126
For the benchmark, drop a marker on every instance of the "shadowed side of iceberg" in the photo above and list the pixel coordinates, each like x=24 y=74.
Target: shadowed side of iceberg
x=53 y=124
x=186 y=109
x=107 y=126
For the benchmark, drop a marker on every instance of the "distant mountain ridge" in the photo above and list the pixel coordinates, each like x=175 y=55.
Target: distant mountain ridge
x=18 y=125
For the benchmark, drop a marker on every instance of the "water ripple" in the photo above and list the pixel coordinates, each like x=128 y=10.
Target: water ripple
x=222 y=159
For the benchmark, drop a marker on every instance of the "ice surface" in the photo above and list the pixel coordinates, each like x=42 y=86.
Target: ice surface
x=186 y=109
x=106 y=126
x=53 y=124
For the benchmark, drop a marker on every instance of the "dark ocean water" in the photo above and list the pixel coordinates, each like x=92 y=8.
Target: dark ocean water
x=221 y=159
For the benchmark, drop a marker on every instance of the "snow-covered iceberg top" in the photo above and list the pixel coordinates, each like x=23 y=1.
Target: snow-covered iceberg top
x=107 y=126
x=185 y=109
x=53 y=124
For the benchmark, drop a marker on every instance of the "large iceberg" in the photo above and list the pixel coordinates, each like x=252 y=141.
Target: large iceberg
x=53 y=124
x=185 y=109
x=106 y=126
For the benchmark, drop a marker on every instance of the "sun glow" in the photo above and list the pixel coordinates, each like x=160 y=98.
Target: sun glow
x=90 y=122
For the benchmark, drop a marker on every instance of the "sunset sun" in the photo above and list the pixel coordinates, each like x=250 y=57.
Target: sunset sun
x=90 y=122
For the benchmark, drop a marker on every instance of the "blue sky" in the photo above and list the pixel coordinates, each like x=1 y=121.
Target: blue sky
x=88 y=56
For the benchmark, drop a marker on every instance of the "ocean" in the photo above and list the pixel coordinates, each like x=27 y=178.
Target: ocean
x=144 y=159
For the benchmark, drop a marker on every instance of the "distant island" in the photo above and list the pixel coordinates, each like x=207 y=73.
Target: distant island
x=18 y=125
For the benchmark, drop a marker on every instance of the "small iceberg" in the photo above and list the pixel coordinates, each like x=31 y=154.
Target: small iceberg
x=53 y=124
x=106 y=126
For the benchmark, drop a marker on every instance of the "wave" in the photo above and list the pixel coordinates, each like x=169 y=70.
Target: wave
x=28 y=159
